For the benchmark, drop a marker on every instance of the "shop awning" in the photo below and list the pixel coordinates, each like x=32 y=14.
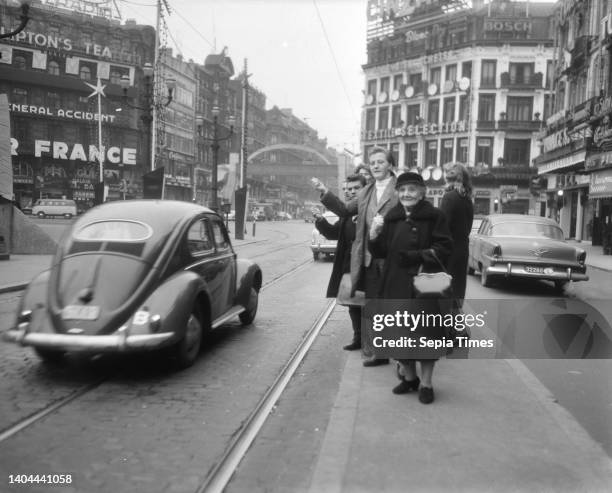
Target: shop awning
x=562 y=163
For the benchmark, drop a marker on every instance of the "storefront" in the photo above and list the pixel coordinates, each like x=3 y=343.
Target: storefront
x=600 y=192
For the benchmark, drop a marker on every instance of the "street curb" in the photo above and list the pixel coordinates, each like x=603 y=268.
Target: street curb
x=8 y=288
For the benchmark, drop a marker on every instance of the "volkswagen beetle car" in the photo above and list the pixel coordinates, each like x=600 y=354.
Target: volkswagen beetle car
x=134 y=276
x=515 y=245
x=321 y=245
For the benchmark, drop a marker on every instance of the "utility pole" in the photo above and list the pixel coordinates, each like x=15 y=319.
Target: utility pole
x=241 y=195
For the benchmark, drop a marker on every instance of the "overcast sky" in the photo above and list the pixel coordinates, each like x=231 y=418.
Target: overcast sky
x=287 y=51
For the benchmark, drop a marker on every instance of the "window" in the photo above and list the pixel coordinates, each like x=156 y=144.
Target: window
x=431 y=154
x=446 y=154
x=53 y=68
x=516 y=151
x=383 y=117
x=115 y=77
x=396 y=116
x=398 y=80
x=412 y=155
x=414 y=112
x=549 y=104
x=433 y=114
x=20 y=96
x=487 y=76
x=435 y=76
x=372 y=87
x=520 y=108
x=520 y=73
x=466 y=70
x=486 y=107
x=199 y=241
x=220 y=236
x=19 y=62
x=462 y=151
x=384 y=85
x=54 y=100
x=415 y=81
x=549 y=74
x=463 y=108
x=448 y=115
x=451 y=72
x=370 y=119
x=85 y=72
x=484 y=151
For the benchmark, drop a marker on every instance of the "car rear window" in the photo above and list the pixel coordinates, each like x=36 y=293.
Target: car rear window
x=115 y=230
x=528 y=229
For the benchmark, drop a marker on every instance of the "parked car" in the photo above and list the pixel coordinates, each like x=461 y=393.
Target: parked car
x=321 y=245
x=476 y=224
x=55 y=207
x=514 y=245
x=135 y=276
x=282 y=216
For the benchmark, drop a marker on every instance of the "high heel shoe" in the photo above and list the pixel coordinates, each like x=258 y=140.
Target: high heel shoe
x=406 y=386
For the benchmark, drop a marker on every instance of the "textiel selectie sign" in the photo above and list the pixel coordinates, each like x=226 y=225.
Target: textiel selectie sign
x=78 y=152
x=410 y=130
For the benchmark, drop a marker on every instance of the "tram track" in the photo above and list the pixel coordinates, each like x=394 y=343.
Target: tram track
x=57 y=404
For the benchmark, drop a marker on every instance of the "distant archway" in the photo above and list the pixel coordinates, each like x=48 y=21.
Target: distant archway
x=297 y=147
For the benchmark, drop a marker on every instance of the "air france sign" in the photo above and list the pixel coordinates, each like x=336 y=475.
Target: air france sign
x=78 y=152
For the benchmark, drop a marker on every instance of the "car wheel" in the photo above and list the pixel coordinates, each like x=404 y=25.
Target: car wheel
x=560 y=286
x=485 y=279
x=247 y=316
x=41 y=214
x=188 y=348
x=51 y=357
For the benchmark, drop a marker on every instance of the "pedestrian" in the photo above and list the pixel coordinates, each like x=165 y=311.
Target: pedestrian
x=364 y=170
x=457 y=205
x=377 y=197
x=413 y=235
x=344 y=232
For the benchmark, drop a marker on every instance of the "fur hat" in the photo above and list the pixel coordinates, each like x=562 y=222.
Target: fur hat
x=409 y=177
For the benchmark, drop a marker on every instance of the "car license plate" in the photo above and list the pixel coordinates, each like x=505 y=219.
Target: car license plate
x=80 y=312
x=534 y=270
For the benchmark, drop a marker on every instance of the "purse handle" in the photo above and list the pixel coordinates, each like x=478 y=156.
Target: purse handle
x=433 y=254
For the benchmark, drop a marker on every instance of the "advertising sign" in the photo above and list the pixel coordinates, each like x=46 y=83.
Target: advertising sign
x=601 y=184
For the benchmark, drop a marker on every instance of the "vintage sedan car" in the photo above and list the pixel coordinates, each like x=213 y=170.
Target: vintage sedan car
x=320 y=245
x=135 y=276
x=514 y=245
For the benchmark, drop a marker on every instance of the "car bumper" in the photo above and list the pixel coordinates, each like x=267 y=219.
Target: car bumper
x=118 y=342
x=509 y=269
x=326 y=249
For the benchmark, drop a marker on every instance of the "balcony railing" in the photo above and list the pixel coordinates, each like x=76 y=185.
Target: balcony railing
x=485 y=125
x=519 y=125
x=533 y=81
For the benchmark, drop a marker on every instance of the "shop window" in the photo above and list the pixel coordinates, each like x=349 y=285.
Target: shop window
x=488 y=73
x=383 y=118
x=486 y=107
x=20 y=96
x=462 y=151
x=484 y=151
x=433 y=113
x=413 y=113
x=19 y=62
x=431 y=154
x=516 y=151
x=411 y=155
x=448 y=114
x=115 y=77
x=520 y=108
x=85 y=72
x=446 y=153
x=53 y=68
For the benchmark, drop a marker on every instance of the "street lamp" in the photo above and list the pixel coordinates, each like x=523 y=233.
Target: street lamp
x=214 y=203
x=150 y=103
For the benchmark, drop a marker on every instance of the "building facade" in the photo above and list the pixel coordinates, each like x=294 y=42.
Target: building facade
x=50 y=73
x=446 y=81
x=576 y=159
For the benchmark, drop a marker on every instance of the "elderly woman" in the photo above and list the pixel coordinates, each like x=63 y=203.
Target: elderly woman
x=456 y=204
x=412 y=235
x=377 y=197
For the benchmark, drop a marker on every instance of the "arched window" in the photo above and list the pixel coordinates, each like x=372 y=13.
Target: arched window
x=53 y=68
x=85 y=72
x=20 y=96
x=19 y=62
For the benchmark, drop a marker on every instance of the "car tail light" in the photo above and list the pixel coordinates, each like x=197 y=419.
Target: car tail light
x=581 y=257
x=497 y=251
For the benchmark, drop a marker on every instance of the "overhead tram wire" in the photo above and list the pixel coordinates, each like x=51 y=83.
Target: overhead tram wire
x=175 y=11
x=335 y=60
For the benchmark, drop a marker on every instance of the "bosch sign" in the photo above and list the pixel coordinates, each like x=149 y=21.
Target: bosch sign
x=507 y=26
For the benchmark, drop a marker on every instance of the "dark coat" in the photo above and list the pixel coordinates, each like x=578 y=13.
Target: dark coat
x=343 y=231
x=406 y=244
x=459 y=212
x=358 y=206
